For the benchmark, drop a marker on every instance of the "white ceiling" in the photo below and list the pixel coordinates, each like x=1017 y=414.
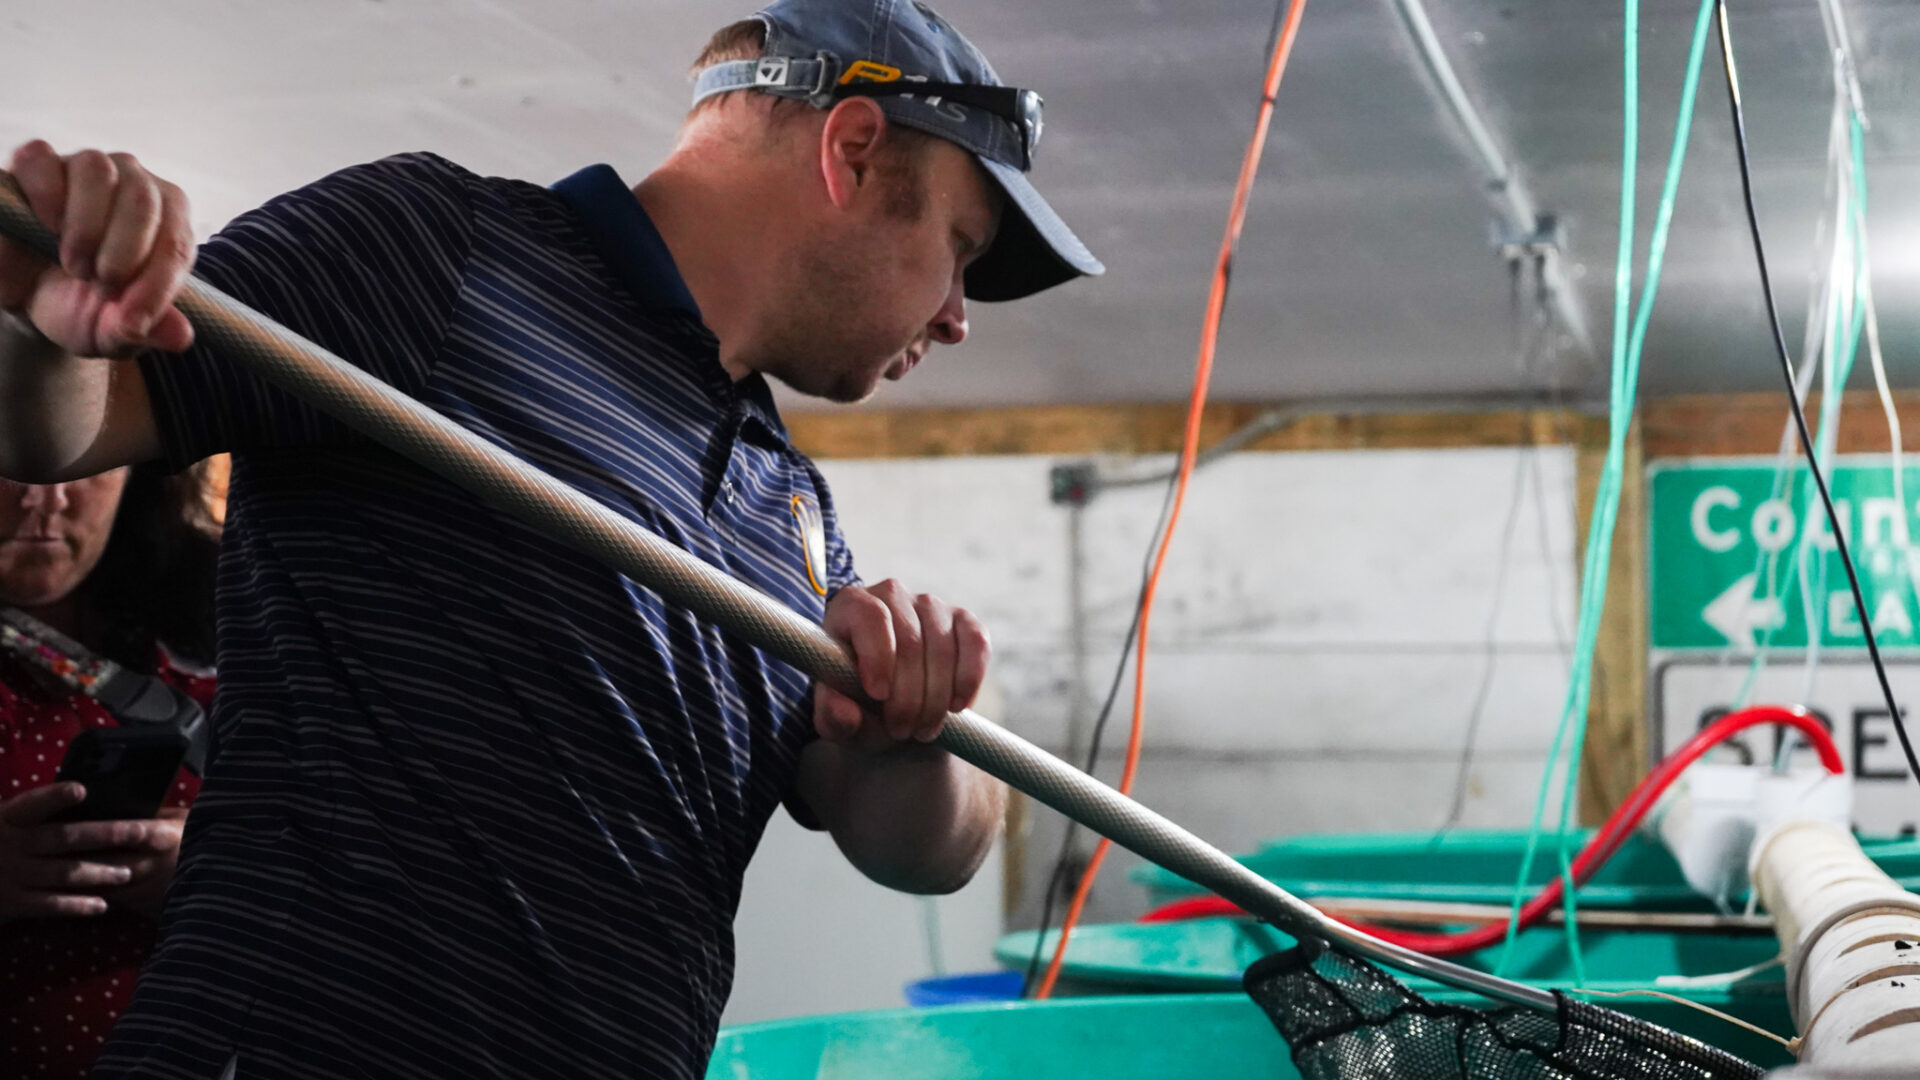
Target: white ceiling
x=1366 y=266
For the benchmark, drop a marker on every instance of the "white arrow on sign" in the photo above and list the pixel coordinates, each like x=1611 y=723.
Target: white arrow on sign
x=1737 y=613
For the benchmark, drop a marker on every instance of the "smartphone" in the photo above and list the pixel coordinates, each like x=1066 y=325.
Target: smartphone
x=126 y=770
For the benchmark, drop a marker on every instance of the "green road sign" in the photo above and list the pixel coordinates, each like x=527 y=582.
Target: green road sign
x=1723 y=565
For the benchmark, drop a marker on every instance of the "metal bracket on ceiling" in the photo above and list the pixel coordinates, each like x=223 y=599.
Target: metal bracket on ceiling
x=1504 y=184
x=1547 y=237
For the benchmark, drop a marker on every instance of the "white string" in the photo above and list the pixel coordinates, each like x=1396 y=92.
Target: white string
x=1722 y=978
x=1790 y=1044
x=1837 y=305
x=1812 y=352
x=1839 y=312
x=1901 y=535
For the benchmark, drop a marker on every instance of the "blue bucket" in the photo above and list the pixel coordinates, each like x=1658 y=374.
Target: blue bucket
x=966 y=989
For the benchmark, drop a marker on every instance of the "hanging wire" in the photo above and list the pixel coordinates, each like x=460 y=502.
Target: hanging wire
x=1843 y=342
x=1829 y=304
x=1896 y=451
x=1490 y=646
x=1799 y=413
x=1543 y=533
x=1063 y=862
x=1282 y=49
x=1525 y=351
x=1847 y=173
x=1847 y=187
x=1628 y=345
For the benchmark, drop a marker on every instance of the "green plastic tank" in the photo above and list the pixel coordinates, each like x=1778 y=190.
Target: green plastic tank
x=1206 y=956
x=1473 y=866
x=1184 y=1037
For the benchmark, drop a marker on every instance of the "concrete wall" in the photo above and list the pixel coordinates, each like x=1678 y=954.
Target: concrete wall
x=1319 y=641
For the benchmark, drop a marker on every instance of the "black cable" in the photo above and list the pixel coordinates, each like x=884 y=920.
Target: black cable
x=1793 y=392
x=1055 y=880
x=1517 y=326
x=1555 y=404
x=1233 y=247
x=1527 y=347
x=1062 y=863
x=1490 y=647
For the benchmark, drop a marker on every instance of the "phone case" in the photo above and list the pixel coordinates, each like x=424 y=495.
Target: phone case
x=126 y=771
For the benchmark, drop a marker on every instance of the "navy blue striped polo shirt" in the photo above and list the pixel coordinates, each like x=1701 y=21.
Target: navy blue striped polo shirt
x=479 y=807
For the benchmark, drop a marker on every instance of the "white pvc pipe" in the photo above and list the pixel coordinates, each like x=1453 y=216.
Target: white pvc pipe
x=1851 y=936
x=1502 y=179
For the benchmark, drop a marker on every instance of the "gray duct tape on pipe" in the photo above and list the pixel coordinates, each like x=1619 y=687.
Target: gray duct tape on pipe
x=508 y=484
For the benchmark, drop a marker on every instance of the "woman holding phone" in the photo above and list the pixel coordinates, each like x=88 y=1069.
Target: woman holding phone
x=119 y=567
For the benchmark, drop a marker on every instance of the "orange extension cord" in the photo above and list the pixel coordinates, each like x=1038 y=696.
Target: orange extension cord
x=1189 y=450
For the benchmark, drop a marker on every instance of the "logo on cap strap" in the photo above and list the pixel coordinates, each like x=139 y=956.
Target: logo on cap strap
x=771 y=72
x=786 y=76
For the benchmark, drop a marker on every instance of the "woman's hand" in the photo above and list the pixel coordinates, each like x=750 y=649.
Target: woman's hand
x=151 y=866
x=76 y=869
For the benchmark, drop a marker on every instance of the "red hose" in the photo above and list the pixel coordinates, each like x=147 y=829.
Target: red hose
x=1592 y=857
x=1193 y=907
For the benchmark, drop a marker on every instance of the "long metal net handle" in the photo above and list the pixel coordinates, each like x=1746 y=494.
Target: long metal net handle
x=509 y=485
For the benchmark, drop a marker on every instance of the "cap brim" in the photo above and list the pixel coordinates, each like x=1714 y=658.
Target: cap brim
x=1034 y=249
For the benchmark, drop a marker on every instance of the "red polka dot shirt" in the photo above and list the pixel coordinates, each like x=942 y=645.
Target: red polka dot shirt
x=63 y=982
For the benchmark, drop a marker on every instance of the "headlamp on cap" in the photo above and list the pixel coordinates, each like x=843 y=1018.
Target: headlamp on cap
x=1021 y=108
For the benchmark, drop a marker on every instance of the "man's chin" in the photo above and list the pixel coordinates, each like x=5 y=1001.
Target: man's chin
x=851 y=393
x=845 y=389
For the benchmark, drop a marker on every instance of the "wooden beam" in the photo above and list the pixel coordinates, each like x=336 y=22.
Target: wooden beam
x=1614 y=757
x=1719 y=425
x=1147 y=429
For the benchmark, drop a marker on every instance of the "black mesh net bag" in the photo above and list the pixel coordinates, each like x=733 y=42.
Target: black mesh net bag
x=1346 y=1019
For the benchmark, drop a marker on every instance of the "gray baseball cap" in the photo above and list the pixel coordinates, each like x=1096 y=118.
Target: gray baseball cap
x=926 y=76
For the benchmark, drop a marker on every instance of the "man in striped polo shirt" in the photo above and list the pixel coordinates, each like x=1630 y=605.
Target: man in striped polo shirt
x=478 y=806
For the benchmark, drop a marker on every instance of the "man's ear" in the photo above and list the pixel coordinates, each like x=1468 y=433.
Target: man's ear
x=849 y=143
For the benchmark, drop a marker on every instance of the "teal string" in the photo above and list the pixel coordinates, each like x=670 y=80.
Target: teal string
x=1628 y=348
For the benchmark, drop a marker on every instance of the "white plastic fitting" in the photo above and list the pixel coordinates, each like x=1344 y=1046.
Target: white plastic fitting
x=1710 y=817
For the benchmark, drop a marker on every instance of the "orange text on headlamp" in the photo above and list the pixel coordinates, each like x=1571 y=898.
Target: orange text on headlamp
x=871 y=72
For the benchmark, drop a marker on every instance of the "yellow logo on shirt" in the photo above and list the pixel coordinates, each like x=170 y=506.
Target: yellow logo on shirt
x=813 y=540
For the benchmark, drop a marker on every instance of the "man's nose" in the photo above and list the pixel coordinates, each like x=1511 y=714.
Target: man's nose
x=949 y=326
x=48 y=499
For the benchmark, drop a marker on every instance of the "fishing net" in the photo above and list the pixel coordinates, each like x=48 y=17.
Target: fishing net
x=1346 y=1019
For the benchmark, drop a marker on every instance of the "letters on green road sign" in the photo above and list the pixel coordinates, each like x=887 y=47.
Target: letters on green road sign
x=1736 y=558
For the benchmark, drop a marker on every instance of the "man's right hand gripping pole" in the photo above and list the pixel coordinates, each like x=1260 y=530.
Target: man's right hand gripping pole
x=126 y=247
